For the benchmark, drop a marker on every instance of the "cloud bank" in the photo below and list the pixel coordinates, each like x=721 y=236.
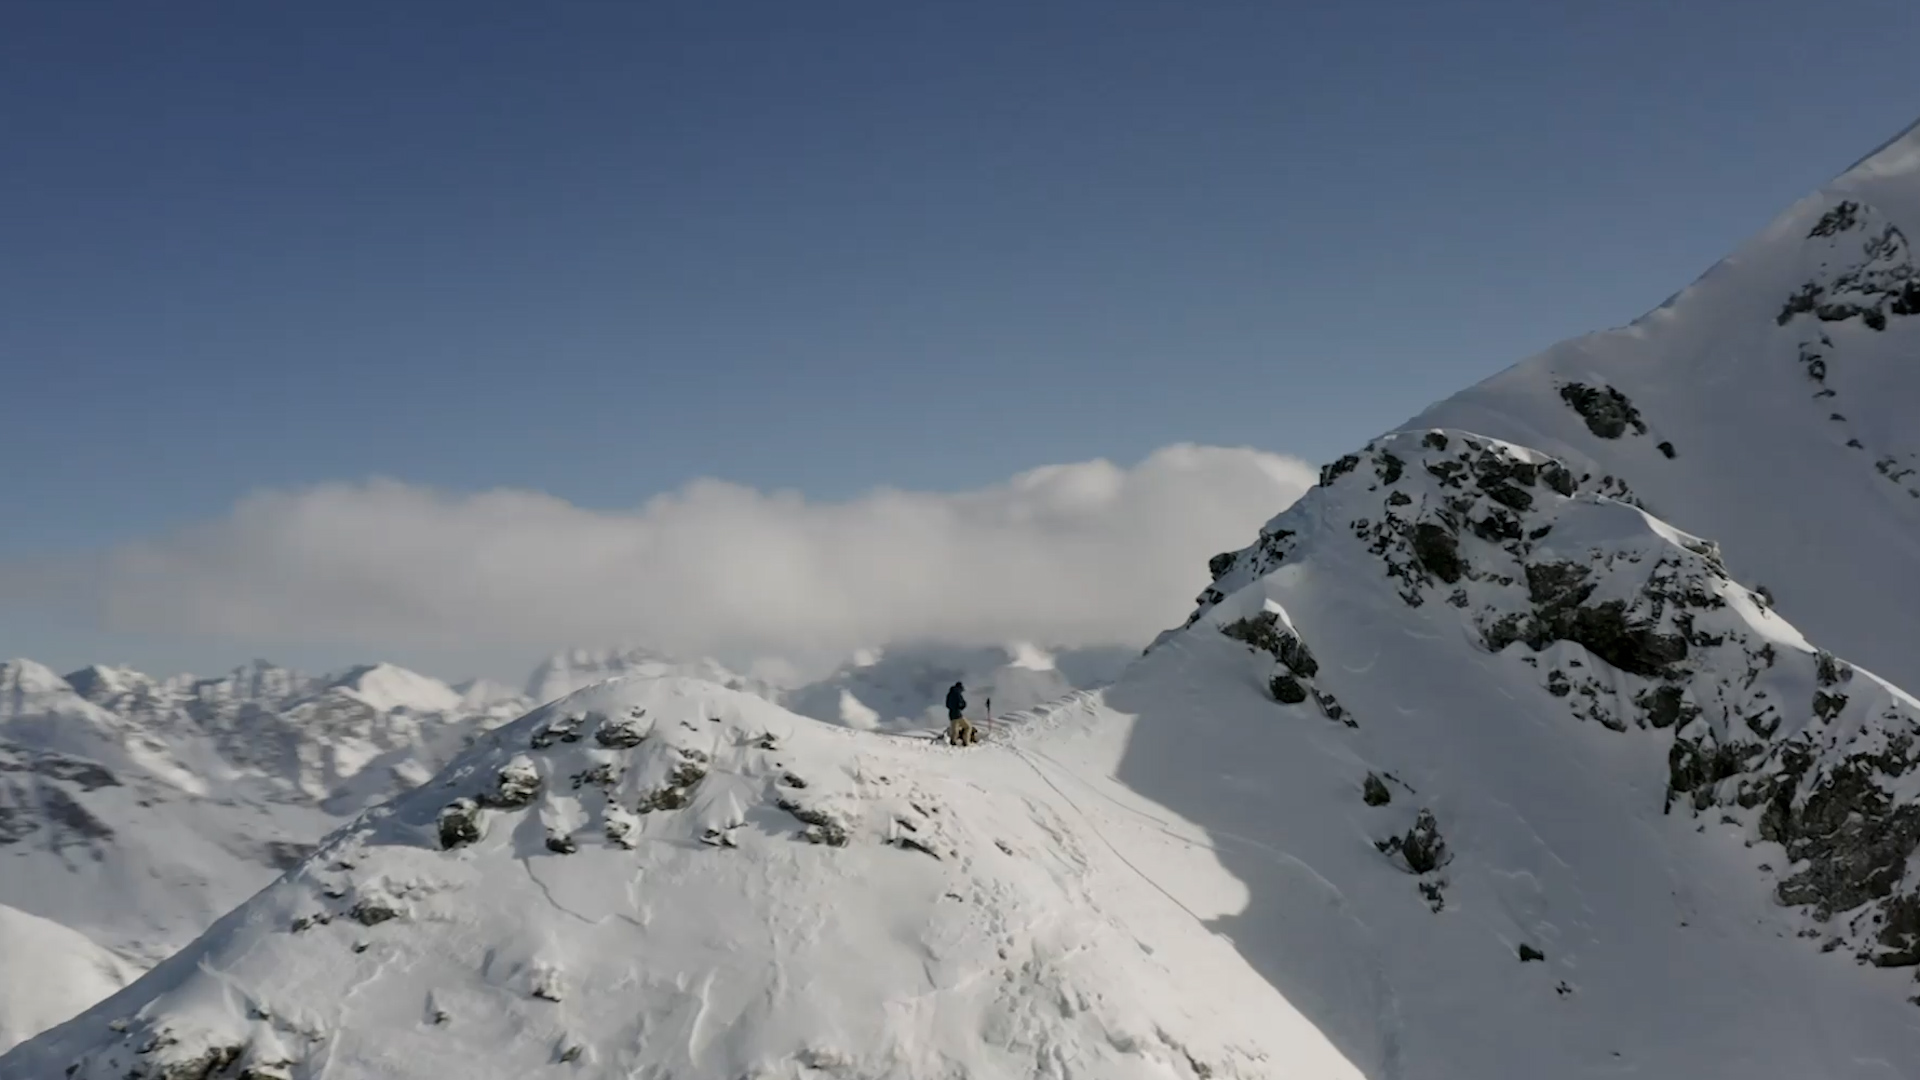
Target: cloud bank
x=1086 y=553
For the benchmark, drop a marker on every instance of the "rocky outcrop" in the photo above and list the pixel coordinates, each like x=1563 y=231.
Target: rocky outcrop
x=1607 y=411
x=1867 y=276
x=1638 y=627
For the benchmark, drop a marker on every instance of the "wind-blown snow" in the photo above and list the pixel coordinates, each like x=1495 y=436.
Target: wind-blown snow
x=49 y=973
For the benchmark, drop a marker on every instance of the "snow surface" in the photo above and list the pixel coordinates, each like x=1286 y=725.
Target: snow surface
x=1792 y=430
x=48 y=973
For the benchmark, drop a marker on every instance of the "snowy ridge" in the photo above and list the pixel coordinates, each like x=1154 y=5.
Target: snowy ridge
x=659 y=876
x=1767 y=405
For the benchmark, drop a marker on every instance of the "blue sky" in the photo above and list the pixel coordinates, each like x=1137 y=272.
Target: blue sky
x=598 y=250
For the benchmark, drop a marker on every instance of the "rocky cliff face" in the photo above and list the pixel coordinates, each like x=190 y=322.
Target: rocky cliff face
x=1637 y=627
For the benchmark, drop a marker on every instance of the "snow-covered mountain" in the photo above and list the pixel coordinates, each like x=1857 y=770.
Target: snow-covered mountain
x=1467 y=768
x=1769 y=405
x=904 y=686
x=137 y=810
x=1472 y=766
x=565 y=672
x=48 y=973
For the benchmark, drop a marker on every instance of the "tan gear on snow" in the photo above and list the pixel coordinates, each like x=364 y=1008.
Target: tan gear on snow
x=960 y=732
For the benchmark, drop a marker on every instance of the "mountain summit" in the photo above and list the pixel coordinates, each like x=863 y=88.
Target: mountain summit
x=1768 y=405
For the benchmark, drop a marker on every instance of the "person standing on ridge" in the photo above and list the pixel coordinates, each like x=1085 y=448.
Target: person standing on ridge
x=959 y=731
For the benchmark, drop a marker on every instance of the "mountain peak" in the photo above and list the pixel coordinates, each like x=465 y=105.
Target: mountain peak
x=388 y=687
x=23 y=676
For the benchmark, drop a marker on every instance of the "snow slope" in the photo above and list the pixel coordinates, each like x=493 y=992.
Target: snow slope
x=1782 y=386
x=1467 y=769
x=662 y=877
x=49 y=973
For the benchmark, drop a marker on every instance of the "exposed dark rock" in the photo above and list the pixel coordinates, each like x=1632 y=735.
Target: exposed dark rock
x=460 y=823
x=1667 y=449
x=1665 y=706
x=1841 y=218
x=1421 y=847
x=1374 y=791
x=1331 y=707
x=1697 y=766
x=912 y=844
x=1221 y=563
x=1607 y=411
x=1287 y=690
x=373 y=911
x=822 y=828
x=1559 y=591
x=624 y=733
x=1438 y=551
x=1262 y=631
x=286 y=854
x=1298 y=658
x=669 y=797
x=1529 y=953
x=1900 y=935
x=1388 y=467
x=516 y=787
x=562 y=729
x=1340 y=468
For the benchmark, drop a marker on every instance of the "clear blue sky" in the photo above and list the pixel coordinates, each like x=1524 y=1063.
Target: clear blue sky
x=597 y=249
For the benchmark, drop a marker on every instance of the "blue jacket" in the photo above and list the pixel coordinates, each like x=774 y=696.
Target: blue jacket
x=956 y=702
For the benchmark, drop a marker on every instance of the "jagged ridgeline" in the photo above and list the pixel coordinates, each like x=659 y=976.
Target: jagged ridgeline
x=1635 y=626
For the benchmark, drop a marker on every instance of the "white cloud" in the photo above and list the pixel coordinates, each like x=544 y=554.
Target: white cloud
x=1072 y=554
